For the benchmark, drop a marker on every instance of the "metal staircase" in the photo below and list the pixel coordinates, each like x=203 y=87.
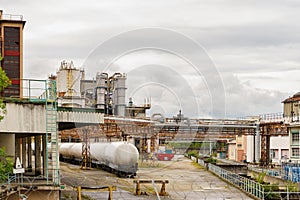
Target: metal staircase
x=52 y=163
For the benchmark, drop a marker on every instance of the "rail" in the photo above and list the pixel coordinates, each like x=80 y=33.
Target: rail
x=278 y=117
x=12 y=17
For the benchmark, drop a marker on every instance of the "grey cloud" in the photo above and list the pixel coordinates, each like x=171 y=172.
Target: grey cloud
x=254 y=37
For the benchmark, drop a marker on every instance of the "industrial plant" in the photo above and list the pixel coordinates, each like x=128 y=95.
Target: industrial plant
x=91 y=124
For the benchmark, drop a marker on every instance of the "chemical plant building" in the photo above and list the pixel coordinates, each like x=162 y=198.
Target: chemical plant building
x=67 y=107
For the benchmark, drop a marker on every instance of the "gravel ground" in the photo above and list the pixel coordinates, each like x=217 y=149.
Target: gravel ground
x=186 y=181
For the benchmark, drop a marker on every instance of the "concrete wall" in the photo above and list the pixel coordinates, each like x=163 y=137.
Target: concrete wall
x=232 y=151
x=279 y=143
x=8 y=141
x=80 y=117
x=31 y=118
x=250 y=148
x=290 y=107
x=24 y=118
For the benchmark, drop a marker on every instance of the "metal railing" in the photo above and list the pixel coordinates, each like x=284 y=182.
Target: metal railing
x=247 y=185
x=256 y=189
x=12 y=17
x=276 y=172
x=278 y=117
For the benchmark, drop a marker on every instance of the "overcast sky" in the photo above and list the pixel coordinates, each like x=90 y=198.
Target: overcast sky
x=250 y=48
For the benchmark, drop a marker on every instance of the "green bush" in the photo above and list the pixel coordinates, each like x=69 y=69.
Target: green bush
x=6 y=165
x=211 y=160
x=193 y=153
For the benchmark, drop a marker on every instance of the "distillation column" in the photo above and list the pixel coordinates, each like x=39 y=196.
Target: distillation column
x=119 y=95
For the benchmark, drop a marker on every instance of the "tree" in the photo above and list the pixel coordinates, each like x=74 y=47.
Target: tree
x=6 y=164
x=4 y=82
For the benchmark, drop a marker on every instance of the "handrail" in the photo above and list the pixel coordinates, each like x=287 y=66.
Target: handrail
x=258 y=190
x=12 y=17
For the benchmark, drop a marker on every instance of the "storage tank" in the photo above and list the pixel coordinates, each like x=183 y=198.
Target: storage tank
x=68 y=80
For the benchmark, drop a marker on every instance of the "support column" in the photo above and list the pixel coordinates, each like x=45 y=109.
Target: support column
x=148 y=145
x=268 y=149
x=45 y=156
x=210 y=148
x=17 y=148
x=257 y=139
x=24 y=152
x=29 y=155
x=38 y=154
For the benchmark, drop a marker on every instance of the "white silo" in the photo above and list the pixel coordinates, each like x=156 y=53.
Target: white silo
x=68 y=85
x=68 y=80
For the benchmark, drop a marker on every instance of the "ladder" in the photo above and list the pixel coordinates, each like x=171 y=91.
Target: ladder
x=52 y=163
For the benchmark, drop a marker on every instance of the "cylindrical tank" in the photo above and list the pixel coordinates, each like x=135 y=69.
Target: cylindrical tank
x=65 y=149
x=68 y=80
x=126 y=154
x=119 y=95
x=97 y=151
x=120 y=156
x=100 y=90
x=76 y=150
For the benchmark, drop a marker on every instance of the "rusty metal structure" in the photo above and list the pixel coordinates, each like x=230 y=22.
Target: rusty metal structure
x=271 y=125
x=86 y=153
x=268 y=130
x=190 y=130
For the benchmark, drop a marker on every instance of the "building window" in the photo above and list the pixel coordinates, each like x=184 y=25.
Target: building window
x=295 y=138
x=11 y=39
x=274 y=153
x=295 y=152
x=284 y=153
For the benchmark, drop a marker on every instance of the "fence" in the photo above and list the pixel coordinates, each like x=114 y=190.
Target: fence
x=276 y=172
x=256 y=189
x=247 y=185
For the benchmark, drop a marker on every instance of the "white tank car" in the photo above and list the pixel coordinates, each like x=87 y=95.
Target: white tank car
x=65 y=149
x=76 y=150
x=120 y=157
x=97 y=152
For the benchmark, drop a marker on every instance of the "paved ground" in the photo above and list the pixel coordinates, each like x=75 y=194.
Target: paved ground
x=186 y=181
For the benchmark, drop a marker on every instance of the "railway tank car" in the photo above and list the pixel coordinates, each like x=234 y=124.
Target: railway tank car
x=119 y=157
